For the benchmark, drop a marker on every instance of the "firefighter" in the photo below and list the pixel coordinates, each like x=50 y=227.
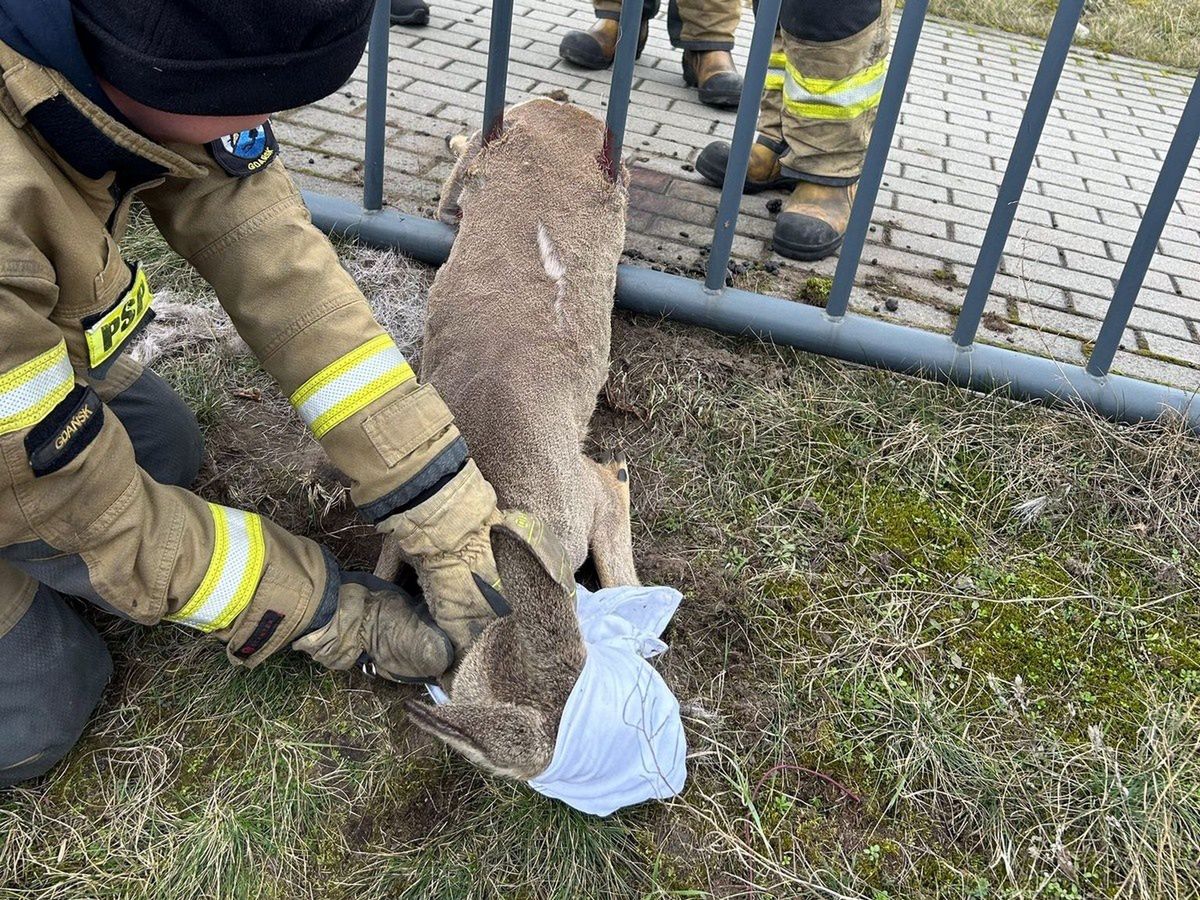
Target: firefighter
x=105 y=100
x=703 y=29
x=828 y=64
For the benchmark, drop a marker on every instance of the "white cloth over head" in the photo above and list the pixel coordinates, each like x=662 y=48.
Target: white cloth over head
x=621 y=740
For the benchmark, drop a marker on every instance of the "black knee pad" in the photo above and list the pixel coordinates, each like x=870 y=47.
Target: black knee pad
x=166 y=437
x=53 y=669
x=827 y=20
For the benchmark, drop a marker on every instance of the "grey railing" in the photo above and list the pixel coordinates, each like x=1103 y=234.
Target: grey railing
x=833 y=331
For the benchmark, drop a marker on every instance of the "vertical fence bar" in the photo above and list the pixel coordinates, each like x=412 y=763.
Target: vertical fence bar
x=1041 y=95
x=766 y=17
x=377 y=77
x=499 y=39
x=1174 y=169
x=899 y=68
x=619 y=88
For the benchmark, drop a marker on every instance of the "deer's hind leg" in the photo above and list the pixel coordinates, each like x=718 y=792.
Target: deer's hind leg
x=611 y=538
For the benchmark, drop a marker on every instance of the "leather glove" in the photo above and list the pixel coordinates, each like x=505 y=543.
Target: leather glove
x=447 y=539
x=380 y=630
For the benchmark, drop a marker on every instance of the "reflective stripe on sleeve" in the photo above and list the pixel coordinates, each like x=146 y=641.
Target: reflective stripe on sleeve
x=32 y=389
x=848 y=98
x=349 y=384
x=233 y=572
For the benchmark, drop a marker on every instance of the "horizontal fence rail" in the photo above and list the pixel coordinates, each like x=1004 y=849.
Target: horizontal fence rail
x=833 y=331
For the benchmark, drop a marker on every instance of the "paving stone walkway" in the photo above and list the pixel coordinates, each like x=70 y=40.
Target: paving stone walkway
x=1107 y=135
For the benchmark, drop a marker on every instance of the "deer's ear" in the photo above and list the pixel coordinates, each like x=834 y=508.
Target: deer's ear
x=531 y=560
x=501 y=738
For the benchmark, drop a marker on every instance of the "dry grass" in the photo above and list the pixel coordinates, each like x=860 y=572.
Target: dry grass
x=1162 y=31
x=934 y=645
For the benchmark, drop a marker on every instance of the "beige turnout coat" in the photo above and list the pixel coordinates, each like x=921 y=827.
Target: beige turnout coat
x=71 y=493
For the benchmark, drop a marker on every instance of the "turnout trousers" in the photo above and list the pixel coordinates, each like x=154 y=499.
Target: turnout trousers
x=53 y=664
x=691 y=24
x=828 y=64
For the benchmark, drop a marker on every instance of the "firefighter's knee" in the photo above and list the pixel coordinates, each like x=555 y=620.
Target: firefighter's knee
x=53 y=669
x=166 y=438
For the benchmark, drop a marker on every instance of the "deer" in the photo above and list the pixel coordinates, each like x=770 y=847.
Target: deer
x=516 y=341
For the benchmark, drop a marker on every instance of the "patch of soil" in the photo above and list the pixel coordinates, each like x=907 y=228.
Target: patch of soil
x=993 y=321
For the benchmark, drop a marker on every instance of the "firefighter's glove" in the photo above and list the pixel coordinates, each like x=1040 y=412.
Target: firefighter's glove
x=380 y=630
x=447 y=539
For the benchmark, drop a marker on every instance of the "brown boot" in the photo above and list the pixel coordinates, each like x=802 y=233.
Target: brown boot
x=597 y=47
x=813 y=221
x=764 y=171
x=713 y=72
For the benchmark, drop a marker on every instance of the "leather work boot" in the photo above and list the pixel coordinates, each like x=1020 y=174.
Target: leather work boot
x=713 y=72
x=813 y=221
x=597 y=47
x=764 y=171
x=410 y=12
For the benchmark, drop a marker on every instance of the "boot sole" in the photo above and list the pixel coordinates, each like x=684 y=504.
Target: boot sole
x=806 y=254
x=716 y=176
x=720 y=99
x=709 y=97
x=594 y=61
x=412 y=20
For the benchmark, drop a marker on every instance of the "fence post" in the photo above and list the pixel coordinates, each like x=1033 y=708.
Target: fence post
x=765 y=20
x=1174 y=169
x=620 y=87
x=1041 y=95
x=899 y=68
x=377 y=78
x=499 y=39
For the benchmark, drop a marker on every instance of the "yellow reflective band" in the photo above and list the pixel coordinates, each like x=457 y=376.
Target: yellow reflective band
x=32 y=389
x=233 y=572
x=775 y=73
x=350 y=384
x=106 y=335
x=847 y=98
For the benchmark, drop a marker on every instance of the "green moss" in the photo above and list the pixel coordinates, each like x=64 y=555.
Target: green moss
x=1080 y=662
x=915 y=531
x=815 y=290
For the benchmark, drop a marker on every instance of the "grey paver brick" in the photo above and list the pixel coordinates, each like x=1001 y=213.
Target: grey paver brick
x=1046 y=318
x=1150 y=369
x=1142 y=318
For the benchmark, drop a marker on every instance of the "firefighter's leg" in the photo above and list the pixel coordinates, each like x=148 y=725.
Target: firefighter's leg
x=596 y=47
x=835 y=62
x=53 y=668
x=166 y=438
x=704 y=30
x=765 y=170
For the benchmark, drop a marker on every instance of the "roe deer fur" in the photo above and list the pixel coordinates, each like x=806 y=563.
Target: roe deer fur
x=517 y=343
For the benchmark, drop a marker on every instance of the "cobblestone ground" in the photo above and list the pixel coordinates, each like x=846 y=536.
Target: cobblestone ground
x=1107 y=135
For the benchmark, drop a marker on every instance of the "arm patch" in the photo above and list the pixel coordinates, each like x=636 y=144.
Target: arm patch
x=243 y=153
x=65 y=432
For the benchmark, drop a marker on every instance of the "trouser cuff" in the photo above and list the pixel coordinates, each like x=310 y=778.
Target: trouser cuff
x=615 y=14
x=778 y=147
x=697 y=46
x=827 y=180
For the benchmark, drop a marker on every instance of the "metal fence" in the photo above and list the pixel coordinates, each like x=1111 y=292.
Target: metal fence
x=833 y=331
